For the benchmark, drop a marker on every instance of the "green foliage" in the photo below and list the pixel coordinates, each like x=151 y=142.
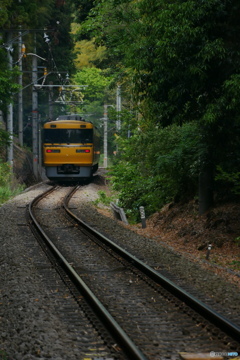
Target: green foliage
x=8 y=188
x=81 y=9
x=52 y=17
x=151 y=192
x=5 y=174
x=5 y=194
x=156 y=167
x=186 y=60
x=96 y=80
x=86 y=51
x=180 y=51
x=60 y=50
x=95 y=93
x=183 y=59
x=8 y=83
x=31 y=13
x=232 y=179
x=4 y=139
x=4 y=11
x=88 y=54
x=103 y=198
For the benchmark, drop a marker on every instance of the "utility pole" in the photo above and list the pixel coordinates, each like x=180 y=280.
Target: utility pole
x=105 y=135
x=1 y=114
x=50 y=101
x=39 y=148
x=10 y=109
x=105 y=130
x=118 y=108
x=20 y=94
x=35 y=113
x=21 y=50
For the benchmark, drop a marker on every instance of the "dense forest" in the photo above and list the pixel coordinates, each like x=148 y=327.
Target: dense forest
x=177 y=64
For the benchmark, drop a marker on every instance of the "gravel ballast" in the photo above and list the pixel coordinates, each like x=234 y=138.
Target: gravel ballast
x=30 y=328
x=191 y=275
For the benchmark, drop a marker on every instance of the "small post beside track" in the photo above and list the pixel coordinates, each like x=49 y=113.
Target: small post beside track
x=208 y=251
x=143 y=217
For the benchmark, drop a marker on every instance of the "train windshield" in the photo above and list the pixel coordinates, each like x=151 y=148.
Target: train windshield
x=63 y=136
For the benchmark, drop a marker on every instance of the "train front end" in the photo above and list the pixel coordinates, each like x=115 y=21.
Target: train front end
x=70 y=149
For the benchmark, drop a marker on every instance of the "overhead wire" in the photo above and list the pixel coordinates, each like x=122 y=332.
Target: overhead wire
x=54 y=65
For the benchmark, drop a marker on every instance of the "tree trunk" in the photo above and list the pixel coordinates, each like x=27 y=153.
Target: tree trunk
x=205 y=188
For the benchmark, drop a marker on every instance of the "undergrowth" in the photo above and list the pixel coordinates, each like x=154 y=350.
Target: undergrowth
x=104 y=199
x=8 y=184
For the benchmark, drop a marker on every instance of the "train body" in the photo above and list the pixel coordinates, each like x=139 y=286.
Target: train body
x=71 y=148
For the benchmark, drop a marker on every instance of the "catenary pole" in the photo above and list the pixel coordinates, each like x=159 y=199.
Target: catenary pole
x=10 y=108
x=105 y=130
x=35 y=114
x=1 y=114
x=50 y=101
x=21 y=49
x=118 y=108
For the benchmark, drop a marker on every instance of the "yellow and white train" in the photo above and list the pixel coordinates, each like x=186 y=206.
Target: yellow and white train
x=71 y=148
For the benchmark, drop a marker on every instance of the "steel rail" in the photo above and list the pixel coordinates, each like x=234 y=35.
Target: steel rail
x=123 y=340
x=208 y=313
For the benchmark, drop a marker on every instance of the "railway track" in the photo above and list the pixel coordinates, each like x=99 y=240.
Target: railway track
x=148 y=316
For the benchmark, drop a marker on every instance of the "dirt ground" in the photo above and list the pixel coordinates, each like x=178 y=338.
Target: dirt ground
x=180 y=227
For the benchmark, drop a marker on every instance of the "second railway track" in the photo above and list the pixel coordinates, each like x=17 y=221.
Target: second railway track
x=160 y=323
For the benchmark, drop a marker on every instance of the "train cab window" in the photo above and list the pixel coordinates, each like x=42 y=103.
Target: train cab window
x=63 y=136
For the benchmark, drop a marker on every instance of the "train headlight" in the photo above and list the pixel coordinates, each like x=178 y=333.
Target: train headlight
x=52 y=151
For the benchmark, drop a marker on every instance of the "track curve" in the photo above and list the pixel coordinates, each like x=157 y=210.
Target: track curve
x=224 y=324
x=121 y=337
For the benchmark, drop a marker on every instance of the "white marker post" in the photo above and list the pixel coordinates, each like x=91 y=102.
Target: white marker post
x=143 y=218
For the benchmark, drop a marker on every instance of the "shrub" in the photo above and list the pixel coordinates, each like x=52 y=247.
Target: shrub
x=232 y=179
x=5 y=174
x=8 y=186
x=103 y=199
x=4 y=139
x=157 y=166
